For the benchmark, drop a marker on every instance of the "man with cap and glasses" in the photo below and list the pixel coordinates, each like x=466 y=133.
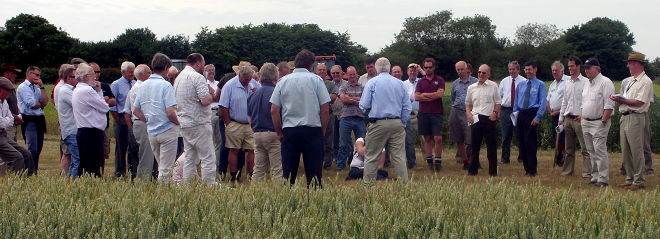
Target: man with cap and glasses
x=634 y=105
x=595 y=120
x=32 y=99
x=12 y=156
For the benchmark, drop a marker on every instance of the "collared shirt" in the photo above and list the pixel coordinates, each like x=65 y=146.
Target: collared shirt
x=12 y=100
x=234 y=96
x=386 y=97
x=258 y=107
x=214 y=85
x=505 y=89
x=120 y=88
x=65 y=111
x=56 y=91
x=426 y=85
x=189 y=89
x=300 y=96
x=572 y=102
x=556 y=92
x=410 y=88
x=340 y=83
x=364 y=79
x=131 y=99
x=89 y=107
x=28 y=96
x=537 y=95
x=459 y=92
x=153 y=98
x=6 y=117
x=483 y=97
x=596 y=97
x=352 y=91
x=637 y=88
x=624 y=83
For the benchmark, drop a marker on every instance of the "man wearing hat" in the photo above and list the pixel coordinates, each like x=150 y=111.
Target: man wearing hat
x=595 y=120
x=634 y=101
x=12 y=155
x=9 y=71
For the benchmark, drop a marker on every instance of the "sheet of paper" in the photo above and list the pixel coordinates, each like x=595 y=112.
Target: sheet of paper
x=514 y=117
x=475 y=119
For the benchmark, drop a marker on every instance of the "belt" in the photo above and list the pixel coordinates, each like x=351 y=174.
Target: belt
x=263 y=130
x=373 y=120
x=587 y=119
x=571 y=116
x=507 y=108
x=629 y=112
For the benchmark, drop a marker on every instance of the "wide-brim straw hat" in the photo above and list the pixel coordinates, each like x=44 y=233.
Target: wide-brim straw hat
x=241 y=63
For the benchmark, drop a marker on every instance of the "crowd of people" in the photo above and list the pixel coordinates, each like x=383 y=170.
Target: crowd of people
x=264 y=119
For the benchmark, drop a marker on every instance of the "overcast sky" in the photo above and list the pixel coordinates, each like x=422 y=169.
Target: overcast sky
x=370 y=23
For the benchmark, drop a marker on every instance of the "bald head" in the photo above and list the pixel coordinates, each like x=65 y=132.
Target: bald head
x=172 y=72
x=484 y=73
x=396 y=72
x=142 y=72
x=352 y=74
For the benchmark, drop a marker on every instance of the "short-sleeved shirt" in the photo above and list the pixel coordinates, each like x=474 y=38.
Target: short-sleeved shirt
x=556 y=92
x=234 y=97
x=131 y=98
x=459 y=91
x=259 y=108
x=426 y=85
x=483 y=97
x=352 y=91
x=153 y=98
x=596 y=97
x=120 y=88
x=300 y=96
x=28 y=96
x=189 y=89
x=636 y=88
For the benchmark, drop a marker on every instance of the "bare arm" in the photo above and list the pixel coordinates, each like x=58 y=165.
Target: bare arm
x=128 y=120
x=606 y=115
x=325 y=115
x=138 y=113
x=468 y=113
x=171 y=114
x=225 y=115
x=277 y=119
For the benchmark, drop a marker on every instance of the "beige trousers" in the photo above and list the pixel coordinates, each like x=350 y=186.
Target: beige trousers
x=267 y=155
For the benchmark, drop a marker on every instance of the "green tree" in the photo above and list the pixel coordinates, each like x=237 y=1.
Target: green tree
x=135 y=45
x=536 y=34
x=174 y=46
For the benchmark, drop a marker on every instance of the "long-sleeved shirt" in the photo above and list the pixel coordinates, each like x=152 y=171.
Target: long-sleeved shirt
x=572 y=102
x=390 y=100
x=596 y=97
x=537 y=96
x=120 y=88
x=459 y=92
x=89 y=107
x=556 y=92
x=6 y=118
x=65 y=111
x=28 y=96
x=131 y=99
x=505 y=89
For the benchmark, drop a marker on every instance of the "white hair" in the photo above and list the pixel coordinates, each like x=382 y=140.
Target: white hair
x=382 y=65
x=140 y=70
x=173 y=68
x=268 y=72
x=83 y=70
x=245 y=70
x=127 y=64
x=558 y=64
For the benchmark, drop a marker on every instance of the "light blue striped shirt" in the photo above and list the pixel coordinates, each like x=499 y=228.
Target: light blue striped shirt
x=234 y=97
x=153 y=97
x=386 y=97
x=28 y=95
x=120 y=88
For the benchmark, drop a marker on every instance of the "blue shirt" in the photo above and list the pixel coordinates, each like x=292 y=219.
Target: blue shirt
x=120 y=88
x=537 y=96
x=300 y=96
x=386 y=97
x=153 y=98
x=28 y=95
x=459 y=91
x=234 y=97
x=259 y=108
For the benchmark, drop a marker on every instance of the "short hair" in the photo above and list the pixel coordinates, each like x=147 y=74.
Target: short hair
x=469 y=66
x=486 y=65
x=209 y=66
x=283 y=65
x=575 y=60
x=83 y=70
x=194 y=58
x=268 y=72
x=320 y=64
x=245 y=70
x=558 y=64
x=140 y=70
x=304 y=59
x=429 y=59
x=337 y=66
x=465 y=64
x=160 y=62
x=125 y=65
x=92 y=64
x=513 y=63
x=68 y=72
x=531 y=63
x=32 y=68
x=351 y=67
x=382 y=65
x=226 y=77
x=63 y=68
x=369 y=61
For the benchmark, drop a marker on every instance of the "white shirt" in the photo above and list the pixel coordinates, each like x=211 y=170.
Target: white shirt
x=572 y=102
x=556 y=92
x=89 y=107
x=214 y=85
x=364 y=79
x=358 y=161
x=56 y=91
x=505 y=89
x=65 y=111
x=595 y=97
x=130 y=99
x=6 y=118
x=410 y=88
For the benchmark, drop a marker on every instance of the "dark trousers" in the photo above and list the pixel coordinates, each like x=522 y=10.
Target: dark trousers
x=559 y=154
x=12 y=154
x=90 y=146
x=223 y=158
x=484 y=129
x=307 y=141
x=125 y=143
x=527 y=139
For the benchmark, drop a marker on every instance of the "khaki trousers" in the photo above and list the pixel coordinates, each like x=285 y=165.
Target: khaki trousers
x=390 y=133
x=146 y=164
x=163 y=146
x=632 y=147
x=595 y=140
x=197 y=145
x=573 y=134
x=267 y=154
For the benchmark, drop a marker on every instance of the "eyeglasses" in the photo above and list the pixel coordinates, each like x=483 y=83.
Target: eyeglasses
x=483 y=72
x=335 y=73
x=428 y=67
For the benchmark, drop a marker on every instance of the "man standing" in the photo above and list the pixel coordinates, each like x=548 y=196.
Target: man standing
x=238 y=134
x=303 y=101
x=507 y=90
x=267 y=145
x=66 y=119
x=634 y=100
x=389 y=111
x=110 y=99
x=371 y=71
x=459 y=130
x=571 y=108
x=553 y=106
x=155 y=105
x=482 y=101
x=352 y=117
x=595 y=119
x=124 y=138
x=429 y=93
x=193 y=97
x=209 y=73
x=530 y=105
x=145 y=168
x=32 y=99
x=336 y=107
x=89 y=110
x=328 y=143
x=283 y=69
x=11 y=154
x=9 y=71
x=411 y=127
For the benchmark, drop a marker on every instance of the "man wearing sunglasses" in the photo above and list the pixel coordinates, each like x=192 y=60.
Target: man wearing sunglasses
x=32 y=99
x=429 y=93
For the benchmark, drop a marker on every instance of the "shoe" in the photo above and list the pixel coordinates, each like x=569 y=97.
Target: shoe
x=437 y=164
x=624 y=185
x=492 y=174
x=340 y=168
x=649 y=172
x=635 y=187
x=505 y=161
x=600 y=184
x=472 y=173
x=459 y=160
x=465 y=167
x=591 y=182
x=429 y=162
x=411 y=165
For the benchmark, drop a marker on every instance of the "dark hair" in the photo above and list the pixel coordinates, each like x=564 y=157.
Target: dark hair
x=194 y=58
x=160 y=62
x=304 y=59
x=31 y=68
x=429 y=59
x=469 y=67
x=532 y=64
x=370 y=61
x=575 y=60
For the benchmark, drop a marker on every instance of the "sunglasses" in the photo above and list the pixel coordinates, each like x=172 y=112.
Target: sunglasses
x=97 y=72
x=483 y=72
x=428 y=67
x=335 y=73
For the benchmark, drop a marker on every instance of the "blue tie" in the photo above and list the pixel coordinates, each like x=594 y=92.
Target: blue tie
x=527 y=94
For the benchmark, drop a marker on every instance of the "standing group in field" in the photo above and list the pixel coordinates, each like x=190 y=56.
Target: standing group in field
x=179 y=125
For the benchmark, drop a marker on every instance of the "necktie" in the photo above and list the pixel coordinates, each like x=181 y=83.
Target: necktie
x=527 y=93
x=513 y=91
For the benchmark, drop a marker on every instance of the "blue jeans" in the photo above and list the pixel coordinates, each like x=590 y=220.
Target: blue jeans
x=346 y=126
x=34 y=139
x=72 y=143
